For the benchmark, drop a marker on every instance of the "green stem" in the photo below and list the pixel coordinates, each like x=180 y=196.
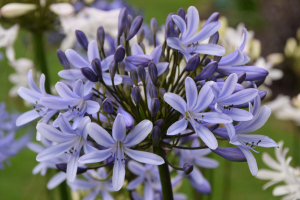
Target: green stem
x=40 y=57
x=165 y=178
x=64 y=191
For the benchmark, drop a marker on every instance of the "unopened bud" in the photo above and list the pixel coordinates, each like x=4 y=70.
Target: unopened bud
x=152 y=69
x=100 y=37
x=122 y=21
x=134 y=76
x=153 y=92
x=89 y=74
x=63 y=167
x=217 y=58
x=119 y=54
x=159 y=123
x=155 y=105
x=140 y=35
x=207 y=61
x=181 y=13
x=96 y=65
x=112 y=69
x=230 y=153
x=214 y=39
x=136 y=95
x=187 y=168
x=193 y=63
x=241 y=76
x=208 y=71
x=162 y=92
x=82 y=39
x=108 y=106
x=63 y=59
x=153 y=26
x=156 y=134
x=142 y=73
x=135 y=27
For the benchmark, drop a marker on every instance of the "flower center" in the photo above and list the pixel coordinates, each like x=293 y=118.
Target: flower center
x=79 y=109
x=76 y=147
x=41 y=110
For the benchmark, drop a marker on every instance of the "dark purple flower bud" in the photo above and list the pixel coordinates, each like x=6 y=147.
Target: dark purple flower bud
x=213 y=18
x=96 y=65
x=100 y=37
x=155 y=105
x=230 y=153
x=140 y=35
x=63 y=59
x=142 y=73
x=89 y=74
x=260 y=82
x=170 y=32
x=156 y=134
x=153 y=92
x=135 y=27
x=159 y=123
x=152 y=69
x=136 y=95
x=181 y=13
x=207 y=61
x=63 y=167
x=169 y=18
x=193 y=63
x=241 y=76
x=108 y=106
x=162 y=92
x=112 y=69
x=122 y=21
x=153 y=26
x=134 y=76
x=262 y=94
x=214 y=39
x=119 y=54
x=82 y=39
x=129 y=121
x=208 y=71
x=187 y=168
x=128 y=25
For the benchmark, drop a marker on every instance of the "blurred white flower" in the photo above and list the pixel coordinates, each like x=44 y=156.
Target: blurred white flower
x=19 y=78
x=282 y=172
x=12 y=10
x=88 y=20
x=62 y=9
x=274 y=74
x=7 y=40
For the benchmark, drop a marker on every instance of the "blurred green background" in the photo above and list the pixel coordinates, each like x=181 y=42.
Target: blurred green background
x=273 y=22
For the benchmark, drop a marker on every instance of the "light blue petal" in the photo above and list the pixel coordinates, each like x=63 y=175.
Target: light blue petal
x=180 y=24
x=205 y=98
x=250 y=159
x=136 y=168
x=191 y=92
x=64 y=91
x=173 y=42
x=252 y=72
x=42 y=84
x=92 y=106
x=53 y=134
x=206 y=162
x=138 y=133
x=144 y=157
x=244 y=40
x=78 y=89
x=118 y=174
x=237 y=114
x=206 y=135
x=261 y=140
x=75 y=59
x=105 y=63
x=71 y=74
x=29 y=95
x=54 y=151
x=100 y=135
x=192 y=22
x=31 y=83
x=56 y=180
x=93 y=51
x=215 y=89
x=107 y=79
x=176 y=101
x=27 y=117
x=81 y=129
x=156 y=53
x=72 y=167
x=210 y=49
x=234 y=58
x=177 y=127
x=213 y=117
x=57 y=103
x=161 y=67
x=65 y=126
x=240 y=97
x=229 y=86
x=136 y=49
x=135 y=183
x=140 y=59
x=95 y=156
x=119 y=128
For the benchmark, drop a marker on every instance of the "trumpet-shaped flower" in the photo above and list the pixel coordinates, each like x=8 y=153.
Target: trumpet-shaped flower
x=188 y=41
x=248 y=142
x=118 y=145
x=78 y=62
x=225 y=99
x=95 y=184
x=34 y=96
x=191 y=112
x=77 y=101
x=70 y=141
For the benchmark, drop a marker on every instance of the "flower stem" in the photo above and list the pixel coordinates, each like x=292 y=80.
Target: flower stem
x=165 y=178
x=63 y=189
x=40 y=57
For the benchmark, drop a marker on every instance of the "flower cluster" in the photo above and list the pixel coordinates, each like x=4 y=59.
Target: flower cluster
x=114 y=109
